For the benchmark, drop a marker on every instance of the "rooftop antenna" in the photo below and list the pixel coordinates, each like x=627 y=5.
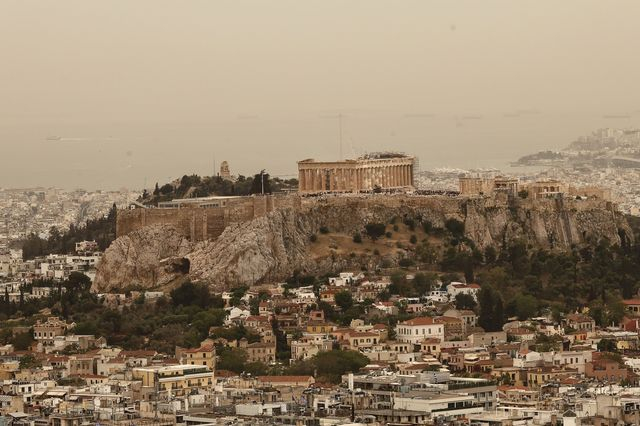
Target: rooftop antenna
x=340 y=127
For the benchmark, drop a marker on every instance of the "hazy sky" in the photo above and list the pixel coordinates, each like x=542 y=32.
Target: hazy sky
x=152 y=89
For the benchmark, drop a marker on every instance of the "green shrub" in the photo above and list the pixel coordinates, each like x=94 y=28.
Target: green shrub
x=406 y=262
x=410 y=223
x=375 y=230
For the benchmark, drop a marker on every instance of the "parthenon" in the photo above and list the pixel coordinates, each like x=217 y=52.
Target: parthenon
x=380 y=170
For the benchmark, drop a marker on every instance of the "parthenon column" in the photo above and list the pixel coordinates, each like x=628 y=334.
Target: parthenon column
x=354 y=176
x=302 y=180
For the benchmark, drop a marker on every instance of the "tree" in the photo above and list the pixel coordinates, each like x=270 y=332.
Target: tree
x=375 y=230
x=405 y=262
x=490 y=254
x=426 y=252
x=330 y=365
x=465 y=301
x=166 y=189
x=232 y=359
x=78 y=281
x=357 y=238
x=491 y=316
x=22 y=341
x=526 y=306
x=607 y=345
x=422 y=282
x=344 y=299
x=194 y=294
x=455 y=227
x=399 y=284
x=261 y=183
x=29 y=361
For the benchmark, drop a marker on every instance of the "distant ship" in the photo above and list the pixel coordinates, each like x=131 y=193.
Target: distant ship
x=54 y=138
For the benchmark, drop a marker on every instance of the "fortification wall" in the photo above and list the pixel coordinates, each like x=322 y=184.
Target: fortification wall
x=199 y=224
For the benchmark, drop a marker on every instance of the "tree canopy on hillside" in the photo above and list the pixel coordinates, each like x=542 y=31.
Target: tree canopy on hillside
x=102 y=230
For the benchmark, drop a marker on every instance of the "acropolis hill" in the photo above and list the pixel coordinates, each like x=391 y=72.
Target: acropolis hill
x=267 y=238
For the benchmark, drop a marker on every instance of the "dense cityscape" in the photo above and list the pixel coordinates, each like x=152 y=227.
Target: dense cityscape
x=319 y=213
x=425 y=331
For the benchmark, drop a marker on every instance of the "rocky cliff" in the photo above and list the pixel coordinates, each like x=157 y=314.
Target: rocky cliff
x=272 y=247
x=149 y=257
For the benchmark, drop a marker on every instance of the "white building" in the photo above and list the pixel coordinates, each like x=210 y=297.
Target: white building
x=456 y=288
x=417 y=329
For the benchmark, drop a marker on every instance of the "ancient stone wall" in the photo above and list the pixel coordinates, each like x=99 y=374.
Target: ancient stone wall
x=199 y=224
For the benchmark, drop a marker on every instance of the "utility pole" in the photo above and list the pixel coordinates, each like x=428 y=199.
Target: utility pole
x=262 y=180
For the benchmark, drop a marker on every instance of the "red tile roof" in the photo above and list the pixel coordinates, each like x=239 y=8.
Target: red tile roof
x=419 y=321
x=284 y=379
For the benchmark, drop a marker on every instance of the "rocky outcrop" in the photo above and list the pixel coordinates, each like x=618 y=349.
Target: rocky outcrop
x=149 y=257
x=273 y=246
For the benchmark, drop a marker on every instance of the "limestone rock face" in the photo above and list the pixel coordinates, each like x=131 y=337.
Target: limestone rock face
x=272 y=247
x=266 y=248
x=149 y=257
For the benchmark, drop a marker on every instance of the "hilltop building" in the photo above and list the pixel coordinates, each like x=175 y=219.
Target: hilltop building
x=373 y=171
x=547 y=188
x=473 y=185
x=225 y=173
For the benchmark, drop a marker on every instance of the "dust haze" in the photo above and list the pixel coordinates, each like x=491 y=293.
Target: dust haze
x=104 y=94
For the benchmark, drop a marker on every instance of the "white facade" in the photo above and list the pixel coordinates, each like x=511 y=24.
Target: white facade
x=418 y=329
